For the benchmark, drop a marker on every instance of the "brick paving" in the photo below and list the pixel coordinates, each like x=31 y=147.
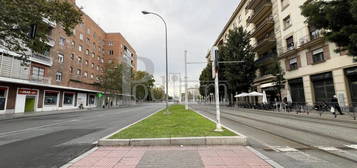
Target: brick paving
x=172 y=156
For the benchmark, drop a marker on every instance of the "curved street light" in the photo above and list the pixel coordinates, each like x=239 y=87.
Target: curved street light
x=167 y=68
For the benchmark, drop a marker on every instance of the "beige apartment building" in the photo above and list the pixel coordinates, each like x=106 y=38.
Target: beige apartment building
x=65 y=77
x=314 y=72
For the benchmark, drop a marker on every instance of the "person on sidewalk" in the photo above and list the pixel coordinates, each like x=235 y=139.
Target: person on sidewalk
x=334 y=104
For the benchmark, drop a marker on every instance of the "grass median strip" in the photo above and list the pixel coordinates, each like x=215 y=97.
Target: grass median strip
x=179 y=123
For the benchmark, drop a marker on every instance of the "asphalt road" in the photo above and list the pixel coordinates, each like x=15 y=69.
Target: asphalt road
x=52 y=141
x=291 y=141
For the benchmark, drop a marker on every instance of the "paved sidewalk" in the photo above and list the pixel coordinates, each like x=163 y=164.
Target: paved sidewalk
x=172 y=156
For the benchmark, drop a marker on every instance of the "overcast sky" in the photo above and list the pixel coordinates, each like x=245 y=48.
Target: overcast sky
x=193 y=25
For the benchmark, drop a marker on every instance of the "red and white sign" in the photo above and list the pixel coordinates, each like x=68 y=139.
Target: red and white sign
x=27 y=92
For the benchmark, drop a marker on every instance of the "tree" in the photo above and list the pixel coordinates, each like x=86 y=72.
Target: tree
x=158 y=93
x=111 y=79
x=206 y=80
x=143 y=83
x=278 y=72
x=239 y=76
x=339 y=18
x=22 y=26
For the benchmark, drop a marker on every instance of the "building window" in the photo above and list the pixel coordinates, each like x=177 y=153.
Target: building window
x=62 y=41
x=87 y=52
x=50 y=98
x=81 y=36
x=111 y=52
x=86 y=62
x=110 y=61
x=88 y=31
x=102 y=60
x=80 y=48
x=73 y=43
x=93 y=54
x=314 y=33
x=79 y=72
x=287 y=22
x=290 y=43
x=38 y=73
x=91 y=99
x=3 y=97
x=72 y=56
x=85 y=74
x=68 y=98
x=71 y=69
x=324 y=88
x=97 y=68
x=79 y=60
x=318 y=55
x=59 y=76
x=60 y=58
x=92 y=65
x=110 y=43
x=92 y=76
x=293 y=65
x=284 y=4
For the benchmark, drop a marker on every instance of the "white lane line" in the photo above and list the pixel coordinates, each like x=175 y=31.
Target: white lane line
x=34 y=128
x=284 y=149
x=352 y=146
x=326 y=148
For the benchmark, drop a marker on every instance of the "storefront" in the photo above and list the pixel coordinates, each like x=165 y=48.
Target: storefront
x=3 y=98
x=51 y=100
x=324 y=88
x=26 y=100
x=68 y=100
x=297 y=90
x=351 y=74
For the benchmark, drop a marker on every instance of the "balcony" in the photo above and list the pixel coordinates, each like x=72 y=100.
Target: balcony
x=41 y=59
x=50 y=23
x=263 y=78
x=312 y=39
x=76 y=78
x=265 y=59
x=254 y=4
x=266 y=44
x=50 y=42
x=39 y=79
x=266 y=26
x=260 y=12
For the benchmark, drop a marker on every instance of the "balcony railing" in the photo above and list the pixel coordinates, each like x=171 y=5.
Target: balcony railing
x=253 y=4
x=42 y=59
x=40 y=79
x=51 y=23
x=264 y=26
x=50 y=42
x=260 y=11
x=266 y=58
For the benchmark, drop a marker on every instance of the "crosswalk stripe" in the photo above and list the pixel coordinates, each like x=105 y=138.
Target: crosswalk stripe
x=352 y=146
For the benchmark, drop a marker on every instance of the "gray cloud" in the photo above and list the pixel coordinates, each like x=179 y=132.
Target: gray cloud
x=193 y=25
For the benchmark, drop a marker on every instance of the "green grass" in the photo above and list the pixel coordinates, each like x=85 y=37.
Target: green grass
x=179 y=123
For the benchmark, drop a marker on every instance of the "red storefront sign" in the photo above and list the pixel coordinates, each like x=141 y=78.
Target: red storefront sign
x=27 y=92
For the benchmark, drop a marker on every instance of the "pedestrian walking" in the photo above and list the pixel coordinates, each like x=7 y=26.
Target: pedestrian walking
x=335 y=105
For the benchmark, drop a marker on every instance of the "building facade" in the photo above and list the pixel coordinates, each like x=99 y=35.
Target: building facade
x=67 y=75
x=314 y=72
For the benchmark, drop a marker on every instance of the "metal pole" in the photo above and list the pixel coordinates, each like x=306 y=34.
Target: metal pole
x=218 y=112
x=180 y=95
x=186 y=92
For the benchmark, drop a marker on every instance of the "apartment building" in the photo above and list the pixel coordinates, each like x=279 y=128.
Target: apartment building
x=314 y=72
x=67 y=75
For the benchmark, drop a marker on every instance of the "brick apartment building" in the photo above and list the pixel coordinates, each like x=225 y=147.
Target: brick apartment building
x=65 y=77
x=314 y=72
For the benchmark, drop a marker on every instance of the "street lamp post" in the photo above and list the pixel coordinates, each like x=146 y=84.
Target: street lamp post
x=166 y=49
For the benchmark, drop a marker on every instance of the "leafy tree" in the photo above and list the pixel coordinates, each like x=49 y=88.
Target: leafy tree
x=143 y=83
x=338 y=17
x=18 y=18
x=111 y=79
x=206 y=80
x=239 y=76
x=278 y=72
x=158 y=93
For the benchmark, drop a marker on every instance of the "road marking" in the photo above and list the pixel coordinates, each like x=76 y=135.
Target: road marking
x=352 y=146
x=328 y=148
x=283 y=149
x=34 y=128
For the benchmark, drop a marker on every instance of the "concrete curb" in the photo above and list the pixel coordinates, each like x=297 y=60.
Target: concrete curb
x=224 y=140
x=210 y=140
